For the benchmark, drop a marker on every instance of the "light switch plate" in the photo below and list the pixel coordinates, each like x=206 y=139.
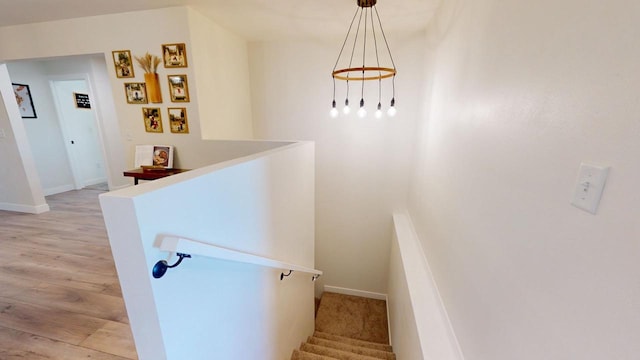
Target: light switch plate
x=589 y=187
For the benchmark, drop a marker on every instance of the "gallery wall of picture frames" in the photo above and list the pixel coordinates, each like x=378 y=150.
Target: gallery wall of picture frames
x=173 y=56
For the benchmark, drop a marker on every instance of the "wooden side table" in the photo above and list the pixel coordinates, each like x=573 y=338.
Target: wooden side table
x=138 y=174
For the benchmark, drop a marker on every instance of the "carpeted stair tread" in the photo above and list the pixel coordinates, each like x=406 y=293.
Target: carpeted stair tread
x=378 y=354
x=303 y=355
x=346 y=340
x=353 y=316
x=333 y=353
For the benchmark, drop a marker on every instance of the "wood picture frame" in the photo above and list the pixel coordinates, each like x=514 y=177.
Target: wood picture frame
x=136 y=93
x=178 y=122
x=174 y=55
x=25 y=101
x=178 y=88
x=122 y=63
x=152 y=120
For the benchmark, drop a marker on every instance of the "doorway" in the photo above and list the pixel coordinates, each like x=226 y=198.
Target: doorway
x=79 y=127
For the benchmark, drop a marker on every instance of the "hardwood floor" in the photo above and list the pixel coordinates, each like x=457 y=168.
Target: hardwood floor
x=59 y=292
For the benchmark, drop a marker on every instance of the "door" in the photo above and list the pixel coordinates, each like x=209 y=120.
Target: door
x=80 y=129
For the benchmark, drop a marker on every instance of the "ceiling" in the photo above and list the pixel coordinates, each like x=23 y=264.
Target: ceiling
x=251 y=19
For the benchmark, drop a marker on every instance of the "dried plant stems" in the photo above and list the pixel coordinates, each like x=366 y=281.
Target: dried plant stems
x=149 y=63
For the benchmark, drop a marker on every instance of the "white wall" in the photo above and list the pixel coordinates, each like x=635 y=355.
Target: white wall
x=361 y=164
x=44 y=132
x=20 y=188
x=262 y=204
x=522 y=93
x=110 y=32
x=221 y=61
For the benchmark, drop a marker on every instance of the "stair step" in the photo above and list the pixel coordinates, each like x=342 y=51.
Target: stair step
x=353 y=316
x=379 y=354
x=303 y=355
x=346 y=340
x=333 y=353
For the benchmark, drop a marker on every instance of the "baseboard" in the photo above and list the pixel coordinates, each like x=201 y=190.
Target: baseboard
x=95 y=181
x=31 y=209
x=354 y=292
x=58 y=189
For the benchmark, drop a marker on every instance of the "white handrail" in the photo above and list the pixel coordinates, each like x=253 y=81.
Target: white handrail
x=194 y=247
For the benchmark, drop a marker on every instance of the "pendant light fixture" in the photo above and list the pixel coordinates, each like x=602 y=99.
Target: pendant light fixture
x=364 y=37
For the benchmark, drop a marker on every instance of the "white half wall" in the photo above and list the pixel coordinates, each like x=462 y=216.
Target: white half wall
x=262 y=204
x=418 y=321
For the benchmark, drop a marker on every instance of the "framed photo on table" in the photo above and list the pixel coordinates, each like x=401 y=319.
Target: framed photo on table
x=24 y=100
x=178 y=88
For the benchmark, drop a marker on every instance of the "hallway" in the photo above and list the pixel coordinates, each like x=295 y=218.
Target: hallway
x=60 y=296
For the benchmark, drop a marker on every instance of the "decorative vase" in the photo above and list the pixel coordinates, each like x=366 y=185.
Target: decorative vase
x=153 y=87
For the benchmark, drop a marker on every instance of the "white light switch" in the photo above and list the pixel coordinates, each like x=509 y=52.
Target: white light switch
x=2 y=134
x=589 y=187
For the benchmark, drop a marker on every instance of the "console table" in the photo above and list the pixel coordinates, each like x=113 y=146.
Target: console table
x=138 y=174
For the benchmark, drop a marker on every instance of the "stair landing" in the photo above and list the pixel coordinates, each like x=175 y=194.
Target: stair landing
x=348 y=328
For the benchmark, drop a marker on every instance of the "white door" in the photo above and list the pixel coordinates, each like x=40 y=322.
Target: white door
x=80 y=129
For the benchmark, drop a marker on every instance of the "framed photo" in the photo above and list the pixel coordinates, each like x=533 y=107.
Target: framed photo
x=123 y=64
x=24 y=100
x=136 y=93
x=178 y=120
x=152 y=120
x=163 y=156
x=174 y=55
x=178 y=88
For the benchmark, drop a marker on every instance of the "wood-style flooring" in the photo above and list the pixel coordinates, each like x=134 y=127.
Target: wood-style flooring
x=59 y=292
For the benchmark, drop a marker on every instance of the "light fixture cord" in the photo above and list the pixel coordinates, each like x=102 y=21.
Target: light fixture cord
x=375 y=44
x=364 y=53
x=393 y=80
x=344 y=43
x=345 y=40
x=355 y=40
x=385 y=38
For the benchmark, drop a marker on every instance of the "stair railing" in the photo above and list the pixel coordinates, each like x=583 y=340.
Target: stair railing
x=184 y=248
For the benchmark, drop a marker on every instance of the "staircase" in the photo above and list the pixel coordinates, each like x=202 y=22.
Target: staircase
x=348 y=328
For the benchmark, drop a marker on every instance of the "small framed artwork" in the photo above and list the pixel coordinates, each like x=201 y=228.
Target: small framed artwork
x=178 y=120
x=136 y=93
x=174 y=55
x=178 y=88
x=122 y=63
x=152 y=120
x=24 y=100
x=82 y=100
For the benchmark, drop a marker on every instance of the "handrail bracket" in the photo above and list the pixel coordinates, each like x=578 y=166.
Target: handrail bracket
x=161 y=267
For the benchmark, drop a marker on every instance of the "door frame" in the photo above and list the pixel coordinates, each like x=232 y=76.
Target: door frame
x=73 y=162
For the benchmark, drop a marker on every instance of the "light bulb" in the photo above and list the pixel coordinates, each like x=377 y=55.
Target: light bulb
x=378 y=113
x=362 y=112
x=392 y=110
x=334 y=111
x=346 y=110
